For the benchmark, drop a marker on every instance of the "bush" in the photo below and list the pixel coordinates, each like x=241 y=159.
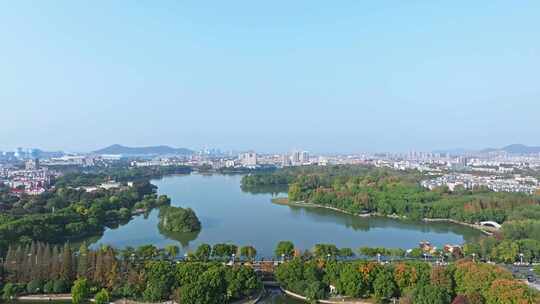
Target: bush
x=48 y=287
x=35 y=286
x=60 y=286
x=9 y=291
x=102 y=297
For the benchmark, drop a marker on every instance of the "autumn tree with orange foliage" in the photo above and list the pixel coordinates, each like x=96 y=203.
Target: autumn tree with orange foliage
x=509 y=291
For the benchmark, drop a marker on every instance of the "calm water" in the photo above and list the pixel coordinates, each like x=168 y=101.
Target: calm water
x=230 y=215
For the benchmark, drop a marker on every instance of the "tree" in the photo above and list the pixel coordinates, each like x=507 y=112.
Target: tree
x=284 y=248
x=351 y=282
x=203 y=252
x=211 y=288
x=431 y=294
x=66 y=271
x=224 y=250
x=241 y=282
x=159 y=280
x=82 y=265
x=172 y=251
x=248 y=252
x=176 y=219
x=325 y=250
x=384 y=286
x=102 y=297
x=506 y=252
x=346 y=253
x=80 y=291
x=505 y=291
x=461 y=299
x=315 y=290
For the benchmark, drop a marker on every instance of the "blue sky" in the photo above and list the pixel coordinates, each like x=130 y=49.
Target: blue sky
x=326 y=76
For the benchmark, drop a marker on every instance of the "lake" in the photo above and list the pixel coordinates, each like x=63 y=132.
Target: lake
x=229 y=214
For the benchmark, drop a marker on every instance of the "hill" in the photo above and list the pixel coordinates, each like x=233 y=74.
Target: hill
x=152 y=150
x=521 y=149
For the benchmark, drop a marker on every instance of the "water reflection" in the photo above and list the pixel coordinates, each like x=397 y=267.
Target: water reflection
x=357 y=223
x=183 y=237
x=229 y=214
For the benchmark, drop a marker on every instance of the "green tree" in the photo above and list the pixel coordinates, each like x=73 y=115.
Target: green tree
x=325 y=250
x=431 y=294
x=82 y=265
x=172 y=251
x=284 y=248
x=248 y=252
x=384 y=286
x=102 y=297
x=159 y=280
x=211 y=288
x=351 y=282
x=203 y=252
x=346 y=253
x=314 y=291
x=80 y=291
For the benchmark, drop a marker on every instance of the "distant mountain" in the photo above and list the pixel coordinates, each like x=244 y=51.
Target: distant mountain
x=511 y=149
x=37 y=153
x=521 y=149
x=153 y=150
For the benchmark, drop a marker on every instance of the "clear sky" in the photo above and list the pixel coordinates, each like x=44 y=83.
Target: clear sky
x=326 y=76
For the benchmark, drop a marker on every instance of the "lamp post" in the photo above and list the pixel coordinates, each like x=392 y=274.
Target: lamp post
x=521 y=258
x=474 y=257
x=378 y=257
x=185 y=257
x=283 y=257
x=233 y=256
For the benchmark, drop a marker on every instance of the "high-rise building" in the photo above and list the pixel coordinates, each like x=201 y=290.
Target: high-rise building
x=285 y=160
x=32 y=164
x=248 y=159
x=295 y=157
x=304 y=157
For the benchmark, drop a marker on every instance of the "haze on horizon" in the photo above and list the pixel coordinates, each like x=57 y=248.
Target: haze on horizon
x=325 y=77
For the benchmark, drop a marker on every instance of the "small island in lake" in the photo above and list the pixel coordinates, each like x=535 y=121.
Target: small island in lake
x=177 y=219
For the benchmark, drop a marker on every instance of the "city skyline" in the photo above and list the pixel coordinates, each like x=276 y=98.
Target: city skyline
x=452 y=151
x=326 y=78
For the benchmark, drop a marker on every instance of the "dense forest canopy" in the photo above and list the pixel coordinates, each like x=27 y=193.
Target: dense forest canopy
x=363 y=189
x=411 y=282
x=68 y=211
x=177 y=219
x=145 y=274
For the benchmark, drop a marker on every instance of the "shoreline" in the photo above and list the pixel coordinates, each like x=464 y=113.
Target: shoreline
x=285 y=202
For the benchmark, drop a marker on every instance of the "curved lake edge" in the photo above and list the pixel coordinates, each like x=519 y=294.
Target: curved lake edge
x=227 y=210
x=285 y=202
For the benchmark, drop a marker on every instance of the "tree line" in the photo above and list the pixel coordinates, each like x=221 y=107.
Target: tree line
x=145 y=273
x=68 y=213
x=412 y=282
x=363 y=189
